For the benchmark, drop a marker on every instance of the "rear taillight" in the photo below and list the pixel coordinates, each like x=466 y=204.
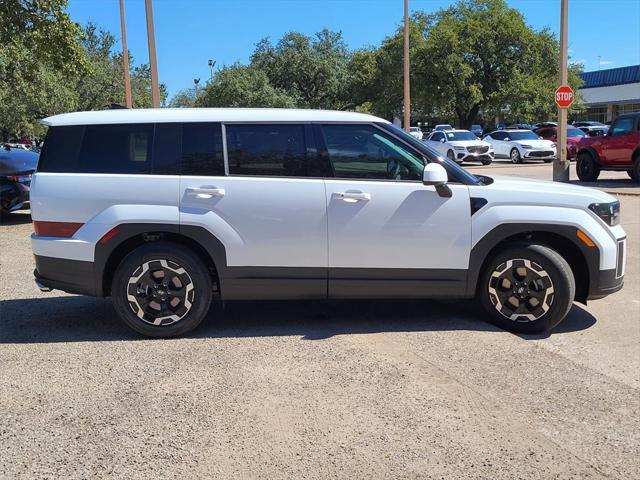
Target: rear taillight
x=56 y=229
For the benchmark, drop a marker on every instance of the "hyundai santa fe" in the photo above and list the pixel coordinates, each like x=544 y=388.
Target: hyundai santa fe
x=165 y=210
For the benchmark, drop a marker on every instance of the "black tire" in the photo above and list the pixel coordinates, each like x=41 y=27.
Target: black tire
x=634 y=173
x=451 y=155
x=192 y=303
x=515 y=156
x=487 y=162
x=587 y=168
x=553 y=291
x=548 y=160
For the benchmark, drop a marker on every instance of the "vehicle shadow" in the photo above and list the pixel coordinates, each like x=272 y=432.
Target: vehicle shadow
x=15 y=218
x=609 y=183
x=84 y=319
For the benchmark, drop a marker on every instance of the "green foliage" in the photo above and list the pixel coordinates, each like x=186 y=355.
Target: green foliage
x=243 y=86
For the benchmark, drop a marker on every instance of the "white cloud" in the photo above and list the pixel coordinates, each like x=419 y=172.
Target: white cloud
x=606 y=62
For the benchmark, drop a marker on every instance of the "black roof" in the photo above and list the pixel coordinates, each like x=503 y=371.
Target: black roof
x=611 y=77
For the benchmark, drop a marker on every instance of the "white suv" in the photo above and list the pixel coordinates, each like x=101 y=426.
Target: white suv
x=461 y=146
x=165 y=210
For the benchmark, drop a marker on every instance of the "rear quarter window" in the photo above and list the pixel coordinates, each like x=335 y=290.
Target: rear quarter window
x=61 y=148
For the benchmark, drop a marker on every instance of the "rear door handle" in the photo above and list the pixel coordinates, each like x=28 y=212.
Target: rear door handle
x=353 y=196
x=205 y=192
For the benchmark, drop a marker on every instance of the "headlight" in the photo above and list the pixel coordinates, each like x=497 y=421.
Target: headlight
x=609 y=212
x=526 y=146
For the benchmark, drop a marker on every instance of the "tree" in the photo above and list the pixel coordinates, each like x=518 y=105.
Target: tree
x=243 y=86
x=39 y=55
x=185 y=98
x=480 y=55
x=314 y=71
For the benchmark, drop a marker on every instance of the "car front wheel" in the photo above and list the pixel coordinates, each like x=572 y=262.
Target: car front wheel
x=587 y=168
x=162 y=289
x=527 y=288
x=515 y=156
x=634 y=173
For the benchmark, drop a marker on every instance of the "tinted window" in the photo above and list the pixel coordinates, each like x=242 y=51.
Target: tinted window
x=459 y=136
x=363 y=151
x=498 y=135
x=437 y=137
x=167 y=142
x=61 y=148
x=202 y=149
x=546 y=133
x=116 y=149
x=622 y=126
x=274 y=150
x=528 y=135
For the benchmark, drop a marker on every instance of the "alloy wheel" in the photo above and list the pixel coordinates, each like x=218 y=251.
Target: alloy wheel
x=515 y=156
x=160 y=292
x=521 y=290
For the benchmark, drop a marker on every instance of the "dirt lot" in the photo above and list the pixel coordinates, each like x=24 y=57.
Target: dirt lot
x=311 y=390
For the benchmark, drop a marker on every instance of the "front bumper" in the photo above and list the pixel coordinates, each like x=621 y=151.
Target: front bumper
x=474 y=157
x=539 y=154
x=606 y=282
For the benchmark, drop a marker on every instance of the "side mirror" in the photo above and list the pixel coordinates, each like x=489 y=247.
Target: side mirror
x=507 y=139
x=442 y=140
x=540 y=138
x=435 y=175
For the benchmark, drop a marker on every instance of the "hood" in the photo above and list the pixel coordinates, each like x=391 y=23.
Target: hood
x=540 y=192
x=16 y=160
x=470 y=143
x=535 y=143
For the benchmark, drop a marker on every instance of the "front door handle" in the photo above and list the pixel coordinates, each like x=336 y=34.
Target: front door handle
x=205 y=192
x=352 y=197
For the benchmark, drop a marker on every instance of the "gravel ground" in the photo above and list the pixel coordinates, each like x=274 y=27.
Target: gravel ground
x=315 y=390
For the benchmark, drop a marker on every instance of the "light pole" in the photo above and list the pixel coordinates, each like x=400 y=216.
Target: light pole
x=153 y=61
x=196 y=81
x=212 y=64
x=125 y=58
x=561 y=165
x=407 y=92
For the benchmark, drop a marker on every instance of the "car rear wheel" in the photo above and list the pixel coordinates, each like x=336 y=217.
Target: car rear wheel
x=515 y=156
x=587 y=168
x=162 y=289
x=527 y=288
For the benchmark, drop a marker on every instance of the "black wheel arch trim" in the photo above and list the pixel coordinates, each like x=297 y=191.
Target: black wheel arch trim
x=128 y=232
x=591 y=151
x=526 y=232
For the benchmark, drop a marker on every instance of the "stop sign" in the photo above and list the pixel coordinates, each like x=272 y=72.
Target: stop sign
x=564 y=96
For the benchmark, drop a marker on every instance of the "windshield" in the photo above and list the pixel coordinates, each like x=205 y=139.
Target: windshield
x=457 y=136
x=456 y=173
x=415 y=129
x=575 y=132
x=443 y=127
x=522 y=135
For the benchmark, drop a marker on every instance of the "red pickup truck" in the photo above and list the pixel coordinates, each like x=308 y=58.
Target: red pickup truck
x=619 y=149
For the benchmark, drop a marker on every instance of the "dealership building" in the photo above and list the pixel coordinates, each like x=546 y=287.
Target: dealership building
x=609 y=93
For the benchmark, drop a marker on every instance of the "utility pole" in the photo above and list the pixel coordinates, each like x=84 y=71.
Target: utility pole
x=561 y=165
x=125 y=58
x=153 y=62
x=407 y=90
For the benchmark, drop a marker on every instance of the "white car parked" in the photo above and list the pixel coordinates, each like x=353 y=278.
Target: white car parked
x=519 y=145
x=166 y=210
x=461 y=146
x=416 y=132
x=443 y=126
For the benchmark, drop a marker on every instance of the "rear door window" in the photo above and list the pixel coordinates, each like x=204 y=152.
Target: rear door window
x=278 y=150
x=202 y=149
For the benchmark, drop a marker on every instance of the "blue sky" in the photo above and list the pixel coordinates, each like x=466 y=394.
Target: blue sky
x=189 y=32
